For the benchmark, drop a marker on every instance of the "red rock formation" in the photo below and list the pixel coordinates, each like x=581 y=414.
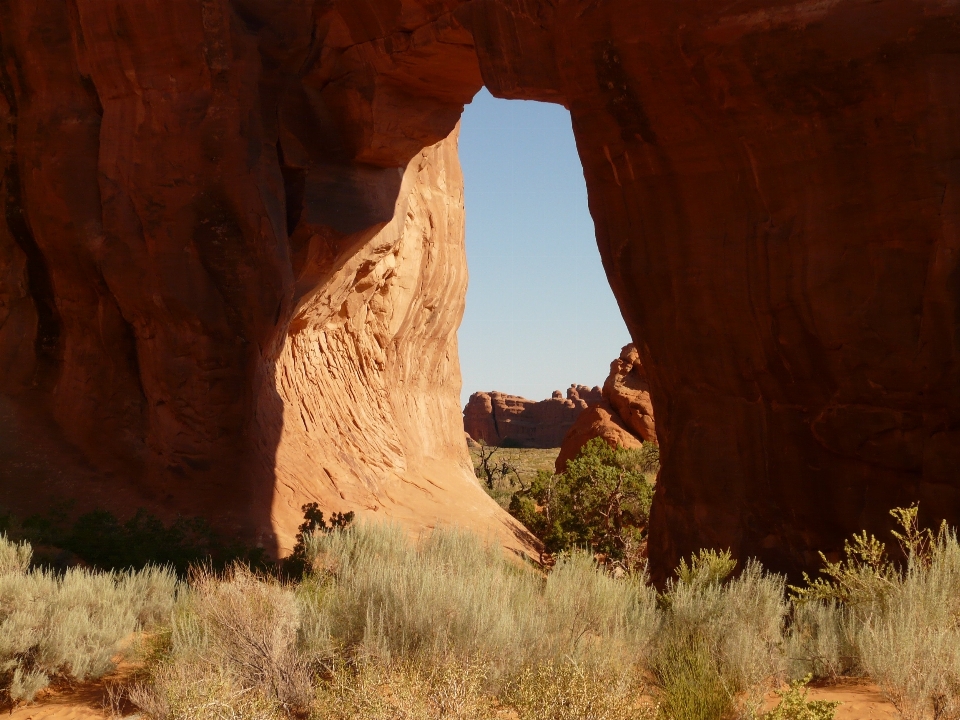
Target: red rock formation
x=497 y=418
x=774 y=185
x=627 y=391
x=622 y=415
x=597 y=421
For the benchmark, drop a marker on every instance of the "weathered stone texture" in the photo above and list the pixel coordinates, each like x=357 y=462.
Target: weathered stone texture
x=622 y=415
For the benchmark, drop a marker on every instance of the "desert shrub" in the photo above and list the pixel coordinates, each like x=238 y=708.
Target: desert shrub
x=448 y=594
x=238 y=634
x=718 y=645
x=444 y=628
x=794 y=705
x=71 y=626
x=566 y=691
x=688 y=678
x=911 y=645
x=460 y=691
x=818 y=641
x=14 y=557
x=452 y=596
x=313 y=522
x=369 y=691
x=900 y=623
x=860 y=581
x=601 y=501
x=596 y=618
x=194 y=690
x=705 y=569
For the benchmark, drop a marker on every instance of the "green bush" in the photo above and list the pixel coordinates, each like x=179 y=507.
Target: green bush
x=690 y=683
x=600 y=502
x=794 y=705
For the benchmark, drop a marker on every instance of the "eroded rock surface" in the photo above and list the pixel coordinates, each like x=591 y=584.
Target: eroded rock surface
x=497 y=418
x=622 y=415
x=627 y=391
x=774 y=185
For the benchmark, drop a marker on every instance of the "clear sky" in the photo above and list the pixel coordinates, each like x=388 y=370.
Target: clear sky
x=540 y=314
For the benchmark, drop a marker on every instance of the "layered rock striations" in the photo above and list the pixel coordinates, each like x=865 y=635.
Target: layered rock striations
x=498 y=418
x=369 y=379
x=774 y=185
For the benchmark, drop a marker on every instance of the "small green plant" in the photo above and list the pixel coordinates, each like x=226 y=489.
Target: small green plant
x=313 y=522
x=601 y=502
x=865 y=575
x=706 y=567
x=690 y=684
x=794 y=705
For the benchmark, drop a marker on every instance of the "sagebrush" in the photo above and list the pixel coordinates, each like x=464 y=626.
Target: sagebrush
x=381 y=626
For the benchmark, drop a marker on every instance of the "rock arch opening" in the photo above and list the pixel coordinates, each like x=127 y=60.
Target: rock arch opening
x=539 y=312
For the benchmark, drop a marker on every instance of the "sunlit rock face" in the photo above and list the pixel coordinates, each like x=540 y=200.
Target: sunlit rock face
x=623 y=414
x=191 y=187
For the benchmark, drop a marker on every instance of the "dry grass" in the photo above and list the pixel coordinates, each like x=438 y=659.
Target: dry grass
x=70 y=626
x=718 y=648
x=526 y=462
x=900 y=627
x=448 y=627
x=451 y=595
x=910 y=643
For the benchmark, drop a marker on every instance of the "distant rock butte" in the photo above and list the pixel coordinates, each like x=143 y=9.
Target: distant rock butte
x=623 y=415
x=497 y=417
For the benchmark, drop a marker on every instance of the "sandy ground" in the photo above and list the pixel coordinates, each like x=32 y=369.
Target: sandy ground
x=859 y=701
x=89 y=701
x=85 y=703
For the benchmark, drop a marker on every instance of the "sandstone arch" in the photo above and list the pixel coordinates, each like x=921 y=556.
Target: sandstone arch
x=196 y=191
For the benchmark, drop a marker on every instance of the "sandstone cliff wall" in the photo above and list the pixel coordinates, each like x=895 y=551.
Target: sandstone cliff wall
x=497 y=417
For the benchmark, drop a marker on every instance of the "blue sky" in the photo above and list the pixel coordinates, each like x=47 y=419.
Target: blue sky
x=540 y=314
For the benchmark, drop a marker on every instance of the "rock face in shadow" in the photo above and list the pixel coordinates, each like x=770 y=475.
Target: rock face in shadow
x=774 y=185
x=497 y=418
